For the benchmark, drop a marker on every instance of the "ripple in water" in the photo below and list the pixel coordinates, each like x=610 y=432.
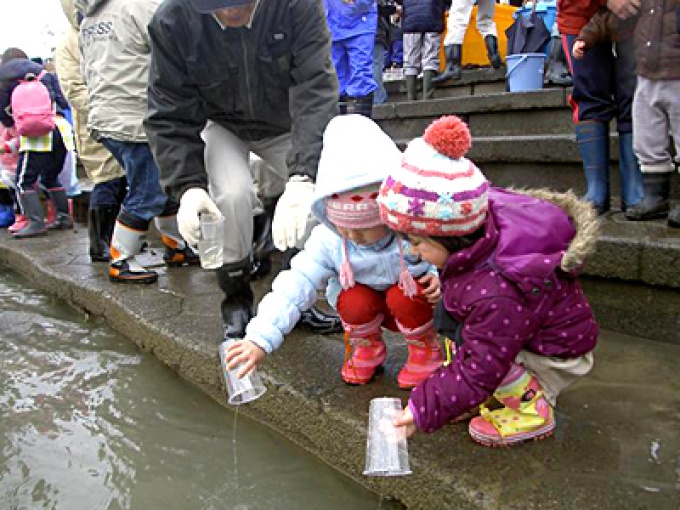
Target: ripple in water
x=88 y=422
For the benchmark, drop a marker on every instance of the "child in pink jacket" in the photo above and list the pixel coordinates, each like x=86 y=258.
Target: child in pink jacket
x=508 y=263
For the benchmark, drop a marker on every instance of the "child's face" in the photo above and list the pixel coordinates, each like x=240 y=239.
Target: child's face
x=429 y=250
x=363 y=236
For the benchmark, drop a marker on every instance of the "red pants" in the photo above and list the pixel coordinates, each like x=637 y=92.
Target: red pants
x=361 y=305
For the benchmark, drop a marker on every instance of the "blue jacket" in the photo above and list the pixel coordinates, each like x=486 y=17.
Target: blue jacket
x=421 y=16
x=349 y=19
x=10 y=74
x=318 y=265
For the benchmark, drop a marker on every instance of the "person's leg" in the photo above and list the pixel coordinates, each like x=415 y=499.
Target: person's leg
x=341 y=64
x=53 y=165
x=380 y=94
x=360 y=83
x=487 y=28
x=430 y=62
x=231 y=187
x=103 y=210
x=363 y=311
x=270 y=184
x=412 y=56
x=593 y=109
x=273 y=152
x=632 y=189
x=144 y=200
x=414 y=318
x=457 y=23
x=670 y=91
x=651 y=144
x=28 y=170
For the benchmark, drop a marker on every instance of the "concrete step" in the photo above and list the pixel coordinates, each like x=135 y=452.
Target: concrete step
x=540 y=112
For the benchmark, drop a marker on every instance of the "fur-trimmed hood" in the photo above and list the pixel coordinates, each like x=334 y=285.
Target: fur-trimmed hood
x=530 y=236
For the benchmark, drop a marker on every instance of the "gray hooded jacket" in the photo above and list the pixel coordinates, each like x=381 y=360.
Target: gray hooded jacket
x=260 y=82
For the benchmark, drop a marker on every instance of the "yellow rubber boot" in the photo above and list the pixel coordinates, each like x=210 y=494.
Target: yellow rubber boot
x=526 y=414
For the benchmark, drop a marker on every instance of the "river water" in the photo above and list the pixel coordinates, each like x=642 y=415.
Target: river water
x=89 y=422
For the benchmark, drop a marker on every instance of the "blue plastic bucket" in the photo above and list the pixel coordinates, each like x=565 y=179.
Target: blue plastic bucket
x=525 y=71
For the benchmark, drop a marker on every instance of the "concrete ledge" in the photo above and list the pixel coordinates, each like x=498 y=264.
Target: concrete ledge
x=581 y=467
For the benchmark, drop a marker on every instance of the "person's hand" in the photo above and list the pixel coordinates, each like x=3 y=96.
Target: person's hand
x=193 y=202
x=431 y=287
x=579 y=49
x=406 y=420
x=289 y=226
x=244 y=353
x=624 y=9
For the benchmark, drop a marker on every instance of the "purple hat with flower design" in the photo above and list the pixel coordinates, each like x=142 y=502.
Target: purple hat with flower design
x=436 y=191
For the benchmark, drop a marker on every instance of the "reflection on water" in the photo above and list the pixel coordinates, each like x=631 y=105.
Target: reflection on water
x=88 y=422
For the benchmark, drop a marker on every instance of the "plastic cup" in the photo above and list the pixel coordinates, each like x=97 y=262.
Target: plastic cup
x=244 y=390
x=386 y=447
x=210 y=245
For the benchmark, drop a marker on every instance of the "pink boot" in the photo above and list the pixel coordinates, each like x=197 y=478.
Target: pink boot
x=424 y=355
x=20 y=221
x=51 y=216
x=364 y=351
x=527 y=413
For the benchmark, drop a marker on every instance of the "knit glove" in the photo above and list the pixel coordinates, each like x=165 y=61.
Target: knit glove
x=289 y=226
x=193 y=202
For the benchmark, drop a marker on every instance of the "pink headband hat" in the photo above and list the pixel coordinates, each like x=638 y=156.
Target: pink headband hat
x=436 y=191
x=354 y=208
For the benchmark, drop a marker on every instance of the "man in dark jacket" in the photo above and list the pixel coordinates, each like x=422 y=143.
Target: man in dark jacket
x=228 y=77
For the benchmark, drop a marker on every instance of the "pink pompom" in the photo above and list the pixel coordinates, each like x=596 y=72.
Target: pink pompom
x=450 y=136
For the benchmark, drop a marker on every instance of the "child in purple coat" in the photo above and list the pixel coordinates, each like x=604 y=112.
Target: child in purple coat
x=522 y=326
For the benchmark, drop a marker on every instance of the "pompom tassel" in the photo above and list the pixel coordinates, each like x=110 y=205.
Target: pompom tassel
x=407 y=284
x=346 y=273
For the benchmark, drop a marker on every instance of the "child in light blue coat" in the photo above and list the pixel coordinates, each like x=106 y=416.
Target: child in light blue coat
x=370 y=277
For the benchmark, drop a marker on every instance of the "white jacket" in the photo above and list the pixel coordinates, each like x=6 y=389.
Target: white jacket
x=114 y=43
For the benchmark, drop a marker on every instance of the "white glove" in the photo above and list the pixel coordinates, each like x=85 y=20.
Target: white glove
x=193 y=202
x=289 y=226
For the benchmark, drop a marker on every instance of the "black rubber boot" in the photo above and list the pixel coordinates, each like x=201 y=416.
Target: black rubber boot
x=237 y=305
x=263 y=243
x=655 y=203
x=491 y=42
x=453 y=71
x=362 y=105
x=412 y=87
x=100 y=229
x=315 y=320
x=428 y=84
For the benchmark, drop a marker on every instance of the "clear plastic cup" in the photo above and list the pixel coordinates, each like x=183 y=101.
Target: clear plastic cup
x=386 y=447
x=240 y=391
x=210 y=245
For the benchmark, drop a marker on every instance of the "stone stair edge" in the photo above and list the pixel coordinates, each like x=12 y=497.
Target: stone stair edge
x=473 y=104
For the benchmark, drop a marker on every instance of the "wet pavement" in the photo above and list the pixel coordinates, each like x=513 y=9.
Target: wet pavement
x=617 y=443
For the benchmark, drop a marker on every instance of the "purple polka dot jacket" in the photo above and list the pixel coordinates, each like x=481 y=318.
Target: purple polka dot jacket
x=514 y=289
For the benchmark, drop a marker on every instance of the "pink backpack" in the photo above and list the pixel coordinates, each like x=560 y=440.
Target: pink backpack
x=32 y=107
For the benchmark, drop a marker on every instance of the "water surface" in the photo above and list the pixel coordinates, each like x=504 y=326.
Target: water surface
x=89 y=422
